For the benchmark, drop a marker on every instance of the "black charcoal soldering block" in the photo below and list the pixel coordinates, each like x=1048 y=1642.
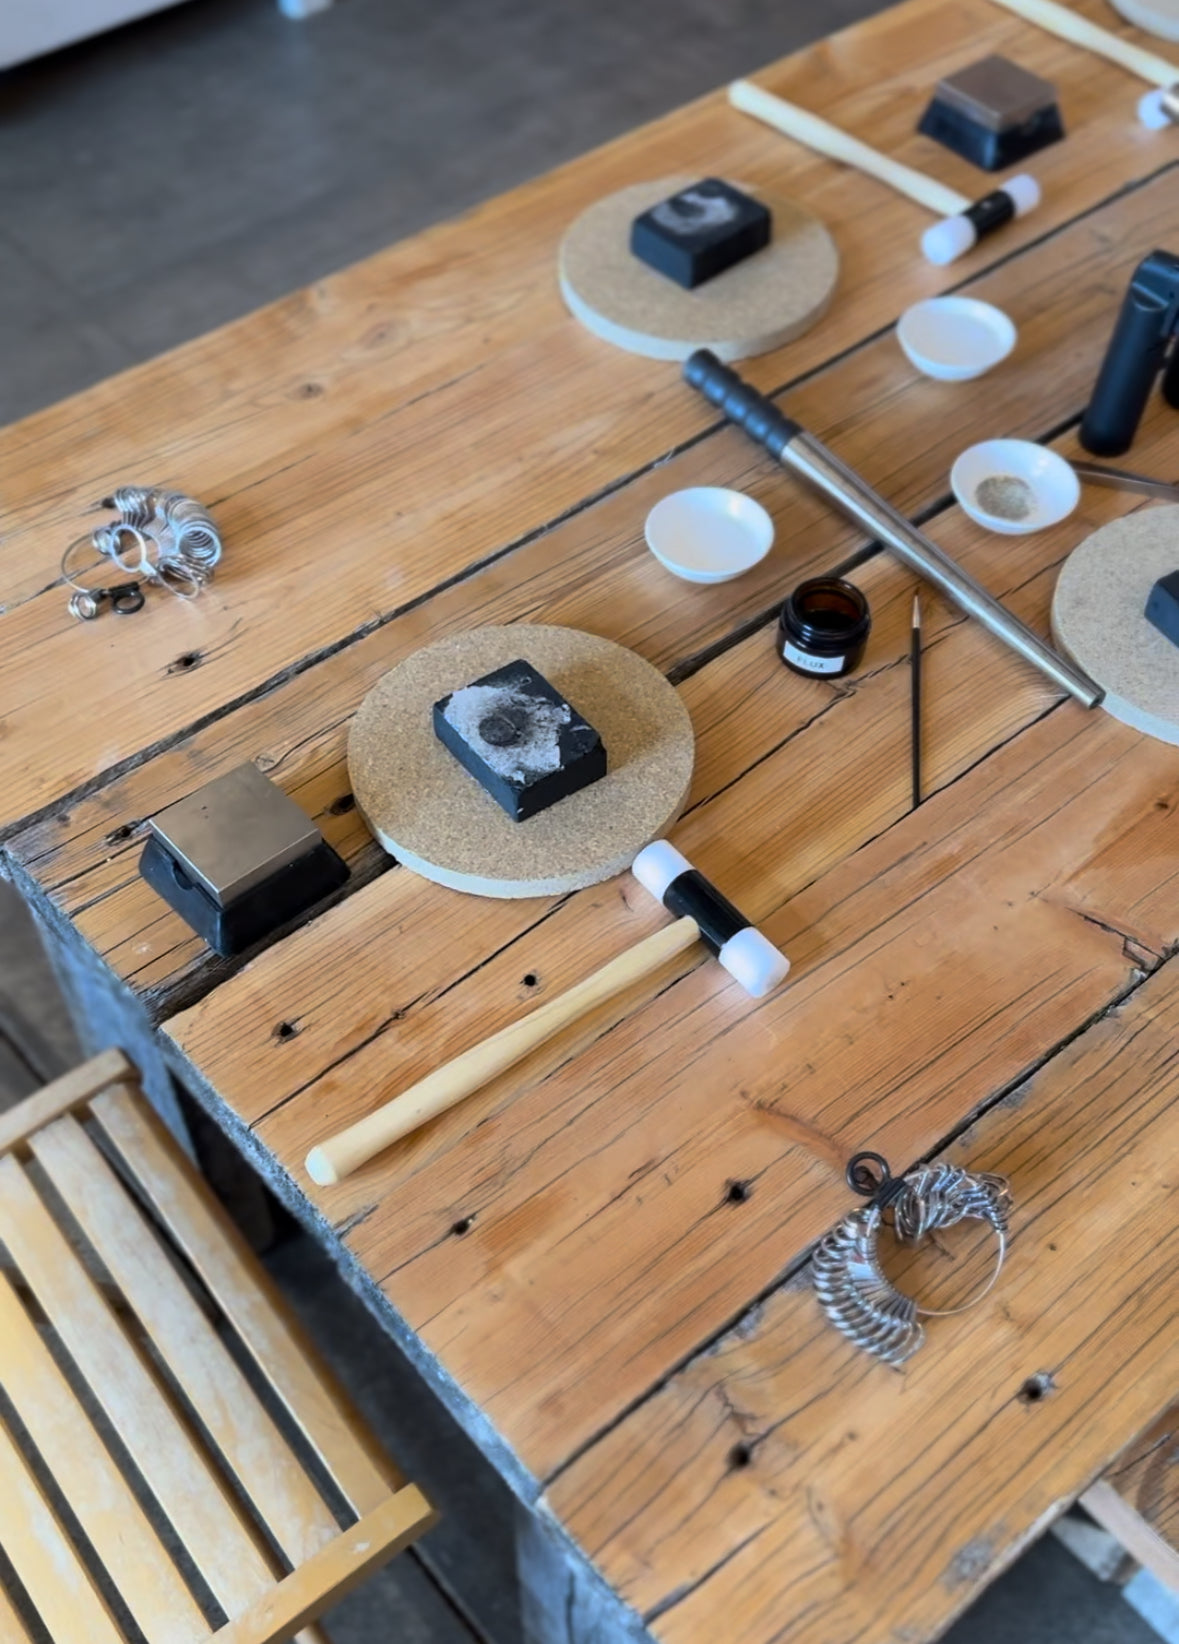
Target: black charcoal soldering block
x=699 y=232
x=1162 y=606
x=520 y=739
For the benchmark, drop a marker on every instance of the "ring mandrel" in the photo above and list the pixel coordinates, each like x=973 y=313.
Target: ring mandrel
x=802 y=454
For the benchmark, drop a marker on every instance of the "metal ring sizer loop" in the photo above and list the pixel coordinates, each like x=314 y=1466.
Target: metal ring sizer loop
x=851 y=1285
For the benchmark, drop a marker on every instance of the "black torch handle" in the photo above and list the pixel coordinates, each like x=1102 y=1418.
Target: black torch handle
x=743 y=405
x=1133 y=358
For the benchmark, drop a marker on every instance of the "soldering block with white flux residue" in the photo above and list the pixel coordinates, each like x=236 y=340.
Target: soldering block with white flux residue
x=520 y=739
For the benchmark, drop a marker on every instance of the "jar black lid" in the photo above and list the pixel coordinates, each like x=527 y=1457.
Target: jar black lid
x=826 y=614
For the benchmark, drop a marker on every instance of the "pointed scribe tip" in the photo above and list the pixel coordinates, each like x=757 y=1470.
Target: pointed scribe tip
x=916 y=610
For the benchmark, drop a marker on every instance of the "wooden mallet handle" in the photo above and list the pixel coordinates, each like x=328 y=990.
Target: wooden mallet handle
x=820 y=135
x=1079 y=31
x=338 y=1157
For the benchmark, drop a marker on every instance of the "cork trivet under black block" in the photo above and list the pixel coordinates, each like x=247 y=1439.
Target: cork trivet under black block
x=758 y=304
x=427 y=811
x=1099 y=618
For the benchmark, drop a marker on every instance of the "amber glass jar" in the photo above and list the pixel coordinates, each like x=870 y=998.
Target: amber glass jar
x=823 y=628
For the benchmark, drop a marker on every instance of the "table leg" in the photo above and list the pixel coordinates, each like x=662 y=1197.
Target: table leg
x=562 y=1598
x=105 y=1013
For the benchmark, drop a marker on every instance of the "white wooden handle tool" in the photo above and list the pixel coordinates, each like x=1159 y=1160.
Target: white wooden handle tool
x=704 y=915
x=1158 y=108
x=962 y=224
x=820 y=135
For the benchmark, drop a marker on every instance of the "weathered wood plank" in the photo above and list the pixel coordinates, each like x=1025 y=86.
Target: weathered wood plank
x=599 y=1195
x=594 y=572
x=873 y=1504
x=392 y=483
x=591 y=1194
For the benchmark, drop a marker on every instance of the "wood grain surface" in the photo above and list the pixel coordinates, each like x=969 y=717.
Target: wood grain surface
x=418 y=415
x=601 y=1257
x=785 y=1462
x=593 y=571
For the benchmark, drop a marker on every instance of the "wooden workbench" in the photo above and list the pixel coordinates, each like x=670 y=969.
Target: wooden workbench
x=600 y=1262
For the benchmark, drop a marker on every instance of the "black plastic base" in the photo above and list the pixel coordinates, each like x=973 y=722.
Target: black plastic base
x=259 y=912
x=991 y=150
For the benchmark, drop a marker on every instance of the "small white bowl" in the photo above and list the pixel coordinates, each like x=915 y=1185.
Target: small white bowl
x=708 y=534
x=1055 y=488
x=955 y=338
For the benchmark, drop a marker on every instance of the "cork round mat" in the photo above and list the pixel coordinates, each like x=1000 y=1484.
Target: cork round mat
x=1159 y=17
x=435 y=818
x=1097 y=618
x=755 y=306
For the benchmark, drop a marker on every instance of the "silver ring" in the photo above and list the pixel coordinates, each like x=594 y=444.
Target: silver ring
x=84 y=606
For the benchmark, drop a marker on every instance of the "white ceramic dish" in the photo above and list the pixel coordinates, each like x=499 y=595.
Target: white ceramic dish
x=1055 y=488
x=955 y=338
x=708 y=534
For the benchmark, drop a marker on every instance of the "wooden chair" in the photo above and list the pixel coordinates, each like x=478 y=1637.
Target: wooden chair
x=136 y=1330
x=1137 y=1500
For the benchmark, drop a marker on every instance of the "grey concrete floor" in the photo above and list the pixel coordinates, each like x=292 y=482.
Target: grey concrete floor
x=175 y=174
x=183 y=170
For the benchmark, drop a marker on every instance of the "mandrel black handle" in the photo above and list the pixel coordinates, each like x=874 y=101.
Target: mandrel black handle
x=750 y=410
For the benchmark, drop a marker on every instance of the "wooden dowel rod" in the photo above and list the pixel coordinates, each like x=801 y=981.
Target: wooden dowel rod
x=338 y=1157
x=1079 y=31
x=827 y=139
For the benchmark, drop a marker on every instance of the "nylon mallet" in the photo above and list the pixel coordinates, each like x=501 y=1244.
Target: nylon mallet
x=702 y=915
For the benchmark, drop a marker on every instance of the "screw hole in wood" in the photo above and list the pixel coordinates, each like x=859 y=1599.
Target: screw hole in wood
x=741 y=1455
x=739 y=1192
x=463 y=1225
x=286 y=1030
x=182 y=664
x=531 y=979
x=1036 y=1387
x=341 y=806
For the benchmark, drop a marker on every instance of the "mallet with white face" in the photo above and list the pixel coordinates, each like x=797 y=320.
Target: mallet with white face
x=703 y=915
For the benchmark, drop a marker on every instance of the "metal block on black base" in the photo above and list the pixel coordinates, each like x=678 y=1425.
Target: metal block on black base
x=238 y=859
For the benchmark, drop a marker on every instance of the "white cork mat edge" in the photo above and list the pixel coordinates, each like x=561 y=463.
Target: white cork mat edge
x=433 y=816
x=754 y=307
x=1098 y=618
